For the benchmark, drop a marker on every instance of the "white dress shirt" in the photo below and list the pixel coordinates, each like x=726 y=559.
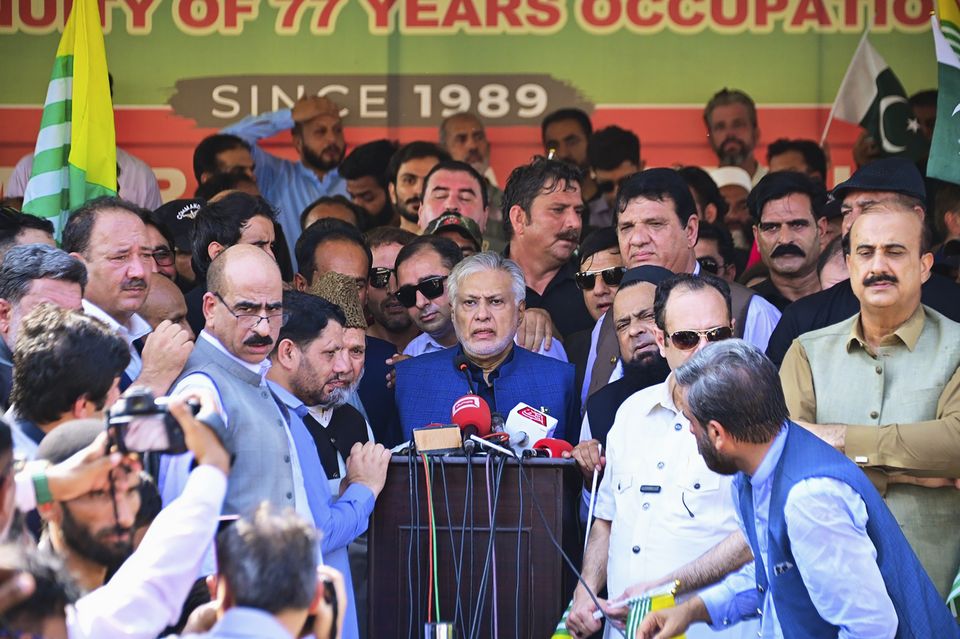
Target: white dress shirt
x=665 y=506
x=135 y=328
x=147 y=592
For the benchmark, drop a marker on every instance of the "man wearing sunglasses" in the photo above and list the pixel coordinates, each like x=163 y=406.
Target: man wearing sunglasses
x=391 y=322
x=659 y=506
x=657 y=224
x=487 y=300
x=423 y=267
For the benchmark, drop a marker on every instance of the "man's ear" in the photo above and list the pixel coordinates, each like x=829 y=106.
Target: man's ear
x=521 y=307
x=211 y=582
x=300 y=282
x=6 y=313
x=719 y=436
x=517 y=219
x=710 y=213
x=692 y=230
x=393 y=193
x=288 y=355
x=661 y=338
x=214 y=249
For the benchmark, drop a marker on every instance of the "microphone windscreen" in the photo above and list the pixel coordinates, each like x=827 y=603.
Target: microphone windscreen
x=555 y=447
x=472 y=411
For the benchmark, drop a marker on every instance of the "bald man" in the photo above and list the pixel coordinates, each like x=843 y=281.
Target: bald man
x=243 y=309
x=165 y=302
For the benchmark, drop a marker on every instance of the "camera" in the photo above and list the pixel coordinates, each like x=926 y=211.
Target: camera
x=140 y=423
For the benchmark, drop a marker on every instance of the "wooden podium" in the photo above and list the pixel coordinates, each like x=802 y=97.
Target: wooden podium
x=533 y=585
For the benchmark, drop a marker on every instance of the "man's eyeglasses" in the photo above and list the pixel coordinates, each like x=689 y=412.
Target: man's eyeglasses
x=710 y=265
x=685 y=340
x=380 y=276
x=611 y=277
x=432 y=288
x=249 y=321
x=163 y=257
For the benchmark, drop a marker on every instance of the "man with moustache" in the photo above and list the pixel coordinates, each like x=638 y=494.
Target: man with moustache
x=543 y=209
x=422 y=267
x=317 y=131
x=334 y=446
x=407 y=170
x=487 y=299
x=659 y=506
x=829 y=559
x=108 y=235
x=731 y=120
x=787 y=211
x=902 y=425
x=243 y=307
x=883 y=180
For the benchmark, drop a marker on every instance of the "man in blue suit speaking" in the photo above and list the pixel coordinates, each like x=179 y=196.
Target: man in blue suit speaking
x=487 y=294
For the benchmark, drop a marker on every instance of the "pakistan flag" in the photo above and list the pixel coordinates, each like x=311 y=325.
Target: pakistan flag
x=944 y=162
x=872 y=96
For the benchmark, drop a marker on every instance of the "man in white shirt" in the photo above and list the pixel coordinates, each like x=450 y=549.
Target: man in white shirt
x=109 y=237
x=422 y=268
x=659 y=505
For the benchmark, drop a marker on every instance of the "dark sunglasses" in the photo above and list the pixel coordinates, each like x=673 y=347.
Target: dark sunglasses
x=611 y=277
x=432 y=288
x=709 y=264
x=380 y=276
x=163 y=257
x=685 y=340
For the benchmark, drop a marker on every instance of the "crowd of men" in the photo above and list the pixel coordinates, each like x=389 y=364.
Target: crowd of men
x=763 y=370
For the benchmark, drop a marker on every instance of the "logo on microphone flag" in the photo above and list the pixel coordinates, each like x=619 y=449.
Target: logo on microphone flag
x=467 y=401
x=533 y=415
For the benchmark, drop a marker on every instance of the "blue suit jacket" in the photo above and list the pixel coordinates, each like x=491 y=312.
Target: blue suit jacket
x=427 y=386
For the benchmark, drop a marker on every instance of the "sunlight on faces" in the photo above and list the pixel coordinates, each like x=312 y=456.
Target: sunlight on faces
x=320 y=142
x=323 y=375
x=650 y=232
x=406 y=193
x=885 y=263
x=430 y=316
x=251 y=285
x=555 y=221
x=90 y=527
x=119 y=264
x=453 y=191
x=690 y=310
x=788 y=236
x=732 y=135
x=344 y=257
x=600 y=298
x=634 y=323
x=382 y=302
x=486 y=314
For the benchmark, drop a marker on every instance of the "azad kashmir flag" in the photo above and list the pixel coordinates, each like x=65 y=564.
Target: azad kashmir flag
x=872 y=96
x=944 y=162
x=75 y=158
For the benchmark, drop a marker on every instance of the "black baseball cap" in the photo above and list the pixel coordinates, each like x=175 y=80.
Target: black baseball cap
x=178 y=215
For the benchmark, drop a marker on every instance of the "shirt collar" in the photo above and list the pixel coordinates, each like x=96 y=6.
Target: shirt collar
x=135 y=328
x=285 y=396
x=764 y=471
x=477 y=373
x=258 y=369
x=249 y=622
x=663 y=397
x=907 y=333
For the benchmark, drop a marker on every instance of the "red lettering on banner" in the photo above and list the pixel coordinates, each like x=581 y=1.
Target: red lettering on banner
x=544 y=14
x=381 y=13
x=851 y=13
x=721 y=19
x=197 y=14
x=601 y=14
x=288 y=20
x=645 y=19
x=233 y=10
x=6 y=14
x=417 y=14
x=325 y=17
x=880 y=13
x=920 y=18
x=31 y=21
x=508 y=10
x=690 y=19
x=461 y=13
x=810 y=13
x=765 y=8
x=139 y=15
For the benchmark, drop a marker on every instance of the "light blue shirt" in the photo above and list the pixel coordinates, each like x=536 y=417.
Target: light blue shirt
x=245 y=623
x=288 y=185
x=339 y=520
x=827 y=524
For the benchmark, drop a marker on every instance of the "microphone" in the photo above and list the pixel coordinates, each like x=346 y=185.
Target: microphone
x=549 y=447
x=472 y=414
x=525 y=425
x=463 y=365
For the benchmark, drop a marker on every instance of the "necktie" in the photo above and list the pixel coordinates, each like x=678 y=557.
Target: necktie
x=314 y=479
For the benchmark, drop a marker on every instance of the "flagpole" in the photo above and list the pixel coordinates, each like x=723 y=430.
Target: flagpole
x=833 y=109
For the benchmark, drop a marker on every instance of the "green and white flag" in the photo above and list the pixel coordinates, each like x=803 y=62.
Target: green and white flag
x=872 y=96
x=75 y=158
x=944 y=162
